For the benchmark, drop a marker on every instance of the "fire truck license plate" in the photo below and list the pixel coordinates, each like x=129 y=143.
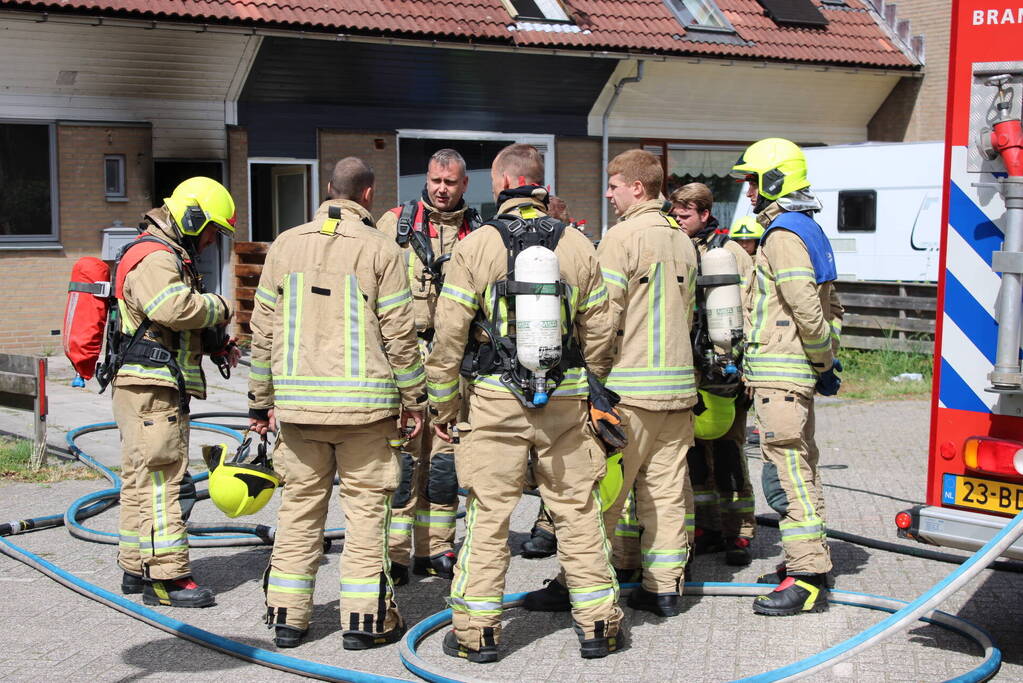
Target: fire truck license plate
x=982 y=494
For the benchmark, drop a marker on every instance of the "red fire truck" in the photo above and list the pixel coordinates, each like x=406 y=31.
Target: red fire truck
x=975 y=471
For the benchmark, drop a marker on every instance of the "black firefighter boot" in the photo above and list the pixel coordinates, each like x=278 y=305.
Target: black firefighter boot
x=553 y=597
x=600 y=645
x=661 y=604
x=288 y=636
x=441 y=564
x=132 y=584
x=361 y=640
x=183 y=592
x=798 y=593
x=541 y=543
x=399 y=574
x=452 y=648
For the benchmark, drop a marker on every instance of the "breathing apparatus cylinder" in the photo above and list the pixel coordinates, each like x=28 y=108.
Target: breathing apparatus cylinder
x=538 y=317
x=722 y=303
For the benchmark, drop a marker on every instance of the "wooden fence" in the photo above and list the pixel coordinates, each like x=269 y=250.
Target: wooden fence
x=878 y=315
x=23 y=386
x=888 y=315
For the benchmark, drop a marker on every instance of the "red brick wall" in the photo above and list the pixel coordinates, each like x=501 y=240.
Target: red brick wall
x=336 y=145
x=35 y=282
x=579 y=174
x=238 y=177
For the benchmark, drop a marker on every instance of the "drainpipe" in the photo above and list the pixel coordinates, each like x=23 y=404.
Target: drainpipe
x=603 y=141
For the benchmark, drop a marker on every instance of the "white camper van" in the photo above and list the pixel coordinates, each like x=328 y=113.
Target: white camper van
x=882 y=207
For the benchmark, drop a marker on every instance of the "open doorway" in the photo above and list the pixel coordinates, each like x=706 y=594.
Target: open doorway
x=281 y=195
x=214 y=262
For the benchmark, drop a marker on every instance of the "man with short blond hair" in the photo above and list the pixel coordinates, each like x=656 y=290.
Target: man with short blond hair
x=649 y=267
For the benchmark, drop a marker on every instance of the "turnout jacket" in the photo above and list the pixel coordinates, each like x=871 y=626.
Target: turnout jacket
x=796 y=322
x=649 y=266
x=332 y=334
x=444 y=228
x=164 y=289
x=479 y=261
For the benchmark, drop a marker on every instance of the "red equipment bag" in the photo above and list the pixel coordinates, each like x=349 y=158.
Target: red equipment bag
x=85 y=316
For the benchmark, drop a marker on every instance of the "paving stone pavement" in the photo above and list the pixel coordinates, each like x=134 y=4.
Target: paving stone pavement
x=874 y=458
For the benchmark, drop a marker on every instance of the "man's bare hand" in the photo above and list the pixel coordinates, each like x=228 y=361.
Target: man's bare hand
x=413 y=416
x=262 y=426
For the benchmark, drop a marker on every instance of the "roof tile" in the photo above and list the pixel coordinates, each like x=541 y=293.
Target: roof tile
x=852 y=36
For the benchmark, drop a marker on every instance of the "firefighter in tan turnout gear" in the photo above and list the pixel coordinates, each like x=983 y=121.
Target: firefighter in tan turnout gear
x=790 y=354
x=649 y=267
x=481 y=321
x=334 y=361
x=722 y=493
x=164 y=319
x=423 y=520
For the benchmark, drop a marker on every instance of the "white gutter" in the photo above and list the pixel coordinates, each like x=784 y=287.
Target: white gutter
x=603 y=140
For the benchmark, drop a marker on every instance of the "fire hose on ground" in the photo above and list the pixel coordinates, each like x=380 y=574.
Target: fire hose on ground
x=903 y=614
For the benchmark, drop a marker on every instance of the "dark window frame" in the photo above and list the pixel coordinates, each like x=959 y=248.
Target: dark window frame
x=122 y=177
x=869 y=224
x=53 y=236
x=520 y=16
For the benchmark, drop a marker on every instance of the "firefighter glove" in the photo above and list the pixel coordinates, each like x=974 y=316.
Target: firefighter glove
x=829 y=382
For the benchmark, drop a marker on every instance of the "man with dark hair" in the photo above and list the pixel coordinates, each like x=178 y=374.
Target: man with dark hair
x=334 y=362
x=722 y=493
x=511 y=423
x=427 y=501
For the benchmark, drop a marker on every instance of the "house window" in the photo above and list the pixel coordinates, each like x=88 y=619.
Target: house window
x=857 y=210
x=699 y=14
x=708 y=165
x=28 y=183
x=536 y=10
x=794 y=13
x=113 y=174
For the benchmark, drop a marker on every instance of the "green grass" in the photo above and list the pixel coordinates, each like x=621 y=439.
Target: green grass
x=867 y=374
x=15 y=455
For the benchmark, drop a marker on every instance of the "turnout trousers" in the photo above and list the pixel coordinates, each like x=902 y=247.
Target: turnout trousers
x=792 y=483
x=492 y=460
x=367 y=467
x=656 y=479
x=722 y=493
x=153 y=540
x=424 y=524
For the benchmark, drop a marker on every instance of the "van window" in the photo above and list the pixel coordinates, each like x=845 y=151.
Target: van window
x=857 y=210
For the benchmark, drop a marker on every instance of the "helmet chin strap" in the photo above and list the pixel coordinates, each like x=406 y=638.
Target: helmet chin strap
x=762 y=203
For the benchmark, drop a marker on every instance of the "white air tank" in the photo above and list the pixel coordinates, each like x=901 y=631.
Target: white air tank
x=538 y=317
x=722 y=303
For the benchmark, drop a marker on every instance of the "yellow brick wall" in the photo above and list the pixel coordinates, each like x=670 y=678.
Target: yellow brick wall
x=915 y=110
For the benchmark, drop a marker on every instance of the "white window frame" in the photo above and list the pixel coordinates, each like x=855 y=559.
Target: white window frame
x=543 y=142
x=314 y=180
x=684 y=20
x=546 y=7
x=40 y=241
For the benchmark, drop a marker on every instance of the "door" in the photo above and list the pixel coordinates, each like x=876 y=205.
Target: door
x=289 y=197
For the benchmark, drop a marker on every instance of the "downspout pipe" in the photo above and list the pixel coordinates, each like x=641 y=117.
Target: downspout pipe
x=603 y=140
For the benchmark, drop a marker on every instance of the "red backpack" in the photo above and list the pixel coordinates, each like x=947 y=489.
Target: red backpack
x=92 y=296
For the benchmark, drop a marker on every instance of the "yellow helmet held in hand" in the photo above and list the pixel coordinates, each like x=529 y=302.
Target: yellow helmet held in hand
x=611 y=483
x=717 y=419
x=746 y=228
x=238 y=488
x=199 y=201
x=778 y=165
